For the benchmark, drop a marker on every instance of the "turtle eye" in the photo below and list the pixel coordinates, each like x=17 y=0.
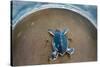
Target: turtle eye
x=53 y=57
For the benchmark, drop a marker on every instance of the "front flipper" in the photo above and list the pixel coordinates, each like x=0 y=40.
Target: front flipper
x=70 y=51
x=66 y=30
x=51 y=32
x=54 y=55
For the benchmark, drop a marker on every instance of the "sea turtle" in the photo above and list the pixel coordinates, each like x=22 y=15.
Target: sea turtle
x=60 y=43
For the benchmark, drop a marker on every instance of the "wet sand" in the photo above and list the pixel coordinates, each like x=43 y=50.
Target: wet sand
x=31 y=42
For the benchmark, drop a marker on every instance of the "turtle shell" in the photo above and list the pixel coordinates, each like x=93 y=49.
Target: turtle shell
x=61 y=42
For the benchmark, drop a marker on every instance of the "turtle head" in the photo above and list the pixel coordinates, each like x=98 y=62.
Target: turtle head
x=53 y=56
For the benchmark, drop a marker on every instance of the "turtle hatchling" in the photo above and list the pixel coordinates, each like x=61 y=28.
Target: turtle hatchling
x=60 y=43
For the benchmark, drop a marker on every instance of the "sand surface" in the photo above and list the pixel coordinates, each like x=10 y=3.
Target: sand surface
x=31 y=43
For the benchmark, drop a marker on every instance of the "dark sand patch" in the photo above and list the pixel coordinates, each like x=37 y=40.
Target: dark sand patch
x=31 y=43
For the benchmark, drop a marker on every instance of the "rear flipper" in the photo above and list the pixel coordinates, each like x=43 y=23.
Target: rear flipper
x=70 y=51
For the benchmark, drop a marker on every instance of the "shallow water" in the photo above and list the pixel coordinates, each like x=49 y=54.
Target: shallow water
x=31 y=42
